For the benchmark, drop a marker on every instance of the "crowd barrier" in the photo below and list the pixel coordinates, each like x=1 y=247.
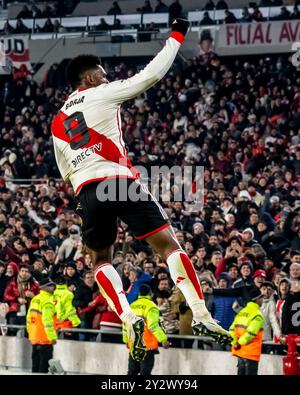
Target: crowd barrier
x=108 y=358
x=103 y=357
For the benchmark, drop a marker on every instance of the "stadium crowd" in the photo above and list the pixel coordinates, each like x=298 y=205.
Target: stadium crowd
x=239 y=119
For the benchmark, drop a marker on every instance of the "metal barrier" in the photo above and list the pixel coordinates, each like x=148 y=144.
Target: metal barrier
x=103 y=335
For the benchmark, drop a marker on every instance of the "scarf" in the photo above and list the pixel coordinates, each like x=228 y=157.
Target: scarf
x=23 y=285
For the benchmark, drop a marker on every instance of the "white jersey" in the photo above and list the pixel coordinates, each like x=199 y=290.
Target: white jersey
x=87 y=135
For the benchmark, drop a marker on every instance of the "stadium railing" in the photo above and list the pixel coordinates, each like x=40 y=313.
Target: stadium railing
x=85 y=24
x=178 y=341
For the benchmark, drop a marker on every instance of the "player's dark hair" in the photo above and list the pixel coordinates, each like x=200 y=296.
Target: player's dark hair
x=78 y=66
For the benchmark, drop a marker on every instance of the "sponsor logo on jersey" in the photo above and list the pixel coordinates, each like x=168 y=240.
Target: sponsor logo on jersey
x=75 y=101
x=86 y=153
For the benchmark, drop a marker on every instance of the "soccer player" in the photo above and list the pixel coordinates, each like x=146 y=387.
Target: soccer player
x=89 y=149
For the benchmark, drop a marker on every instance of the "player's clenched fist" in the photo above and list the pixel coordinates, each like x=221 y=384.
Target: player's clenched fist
x=180 y=25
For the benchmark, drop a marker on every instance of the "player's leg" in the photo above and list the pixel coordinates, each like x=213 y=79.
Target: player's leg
x=154 y=228
x=99 y=230
x=184 y=276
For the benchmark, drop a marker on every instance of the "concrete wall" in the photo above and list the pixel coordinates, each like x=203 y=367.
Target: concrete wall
x=107 y=359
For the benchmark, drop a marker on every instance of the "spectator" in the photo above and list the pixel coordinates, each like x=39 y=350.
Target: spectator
x=206 y=286
x=223 y=312
x=268 y=309
x=18 y=294
x=83 y=301
x=257 y=15
x=25 y=13
x=168 y=318
x=20 y=27
x=283 y=16
x=206 y=20
x=284 y=292
x=36 y=12
x=146 y=8
x=58 y=27
x=295 y=273
x=137 y=277
x=71 y=273
x=7 y=28
x=46 y=11
x=48 y=26
x=115 y=9
x=69 y=247
x=103 y=25
x=221 y=5
x=246 y=16
x=209 y=6
x=180 y=307
x=296 y=13
x=161 y=7
x=38 y=270
x=229 y=17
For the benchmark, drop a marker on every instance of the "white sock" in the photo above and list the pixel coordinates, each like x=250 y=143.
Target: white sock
x=184 y=276
x=111 y=288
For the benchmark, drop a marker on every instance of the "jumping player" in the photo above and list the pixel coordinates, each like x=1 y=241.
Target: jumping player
x=89 y=149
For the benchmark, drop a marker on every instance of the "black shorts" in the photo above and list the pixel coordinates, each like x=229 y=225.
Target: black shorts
x=100 y=218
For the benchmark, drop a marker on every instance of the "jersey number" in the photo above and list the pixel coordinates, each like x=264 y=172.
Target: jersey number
x=77 y=130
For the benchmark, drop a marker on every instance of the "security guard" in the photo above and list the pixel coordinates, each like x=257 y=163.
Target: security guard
x=66 y=315
x=40 y=326
x=247 y=333
x=144 y=307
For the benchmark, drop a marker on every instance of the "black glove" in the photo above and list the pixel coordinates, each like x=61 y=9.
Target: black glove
x=180 y=25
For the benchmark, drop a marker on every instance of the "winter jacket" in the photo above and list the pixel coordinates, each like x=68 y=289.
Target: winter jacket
x=133 y=291
x=12 y=294
x=82 y=297
x=271 y=325
x=223 y=311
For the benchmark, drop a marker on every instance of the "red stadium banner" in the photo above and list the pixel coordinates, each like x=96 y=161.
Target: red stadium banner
x=257 y=38
x=14 y=52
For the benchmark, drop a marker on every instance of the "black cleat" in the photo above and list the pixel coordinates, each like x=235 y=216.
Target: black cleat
x=137 y=346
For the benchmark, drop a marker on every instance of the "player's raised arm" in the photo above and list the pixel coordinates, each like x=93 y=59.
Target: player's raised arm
x=120 y=91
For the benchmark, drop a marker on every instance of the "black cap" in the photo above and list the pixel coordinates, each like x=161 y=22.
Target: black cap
x=71 y=264
x=45 y=282
x=145 y=290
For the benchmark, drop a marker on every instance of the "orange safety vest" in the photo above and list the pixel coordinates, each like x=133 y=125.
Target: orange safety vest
x=149 y=339
x=251 y=350
x=62 y=323
x=249 y=320
x=40 y=324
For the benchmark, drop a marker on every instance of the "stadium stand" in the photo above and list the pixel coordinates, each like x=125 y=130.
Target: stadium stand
x=238 y=118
